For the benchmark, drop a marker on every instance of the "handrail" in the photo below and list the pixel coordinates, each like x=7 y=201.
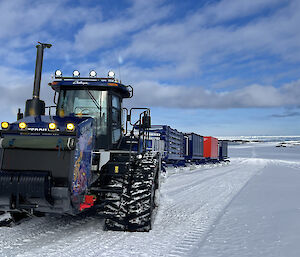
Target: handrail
x=49 y=107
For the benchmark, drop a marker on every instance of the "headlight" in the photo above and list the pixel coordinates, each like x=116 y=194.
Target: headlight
x=70 y=127
x=22 y=125
x=58 y=73
x=93 y=74
x=52 y=126
x=76 y=73
x=4 y=125
x=111 y=74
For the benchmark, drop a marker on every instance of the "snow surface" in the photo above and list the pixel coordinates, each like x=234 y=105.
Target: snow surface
x=249 y=207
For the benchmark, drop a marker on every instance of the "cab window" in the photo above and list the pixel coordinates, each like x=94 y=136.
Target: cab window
x=116 y=118
x=91 y=103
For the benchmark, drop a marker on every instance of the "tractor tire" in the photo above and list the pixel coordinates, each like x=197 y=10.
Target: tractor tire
x=133 y=210
x=19 y=216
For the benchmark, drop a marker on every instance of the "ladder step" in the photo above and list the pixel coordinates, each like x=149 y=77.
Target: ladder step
x=110 y=190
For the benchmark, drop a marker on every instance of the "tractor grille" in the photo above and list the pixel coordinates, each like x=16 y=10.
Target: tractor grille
x=29 y=184
x=55 y=162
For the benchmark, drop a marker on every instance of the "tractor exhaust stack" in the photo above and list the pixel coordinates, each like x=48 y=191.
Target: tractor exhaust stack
x=35 y=106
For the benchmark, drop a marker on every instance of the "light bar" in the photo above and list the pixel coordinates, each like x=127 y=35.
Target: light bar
x=58 y=73
x=4 y=125
x=76 y=73
x=52 y=126
x=22 y=125
x=93 y=74
x=111 y=74
x=70 y=127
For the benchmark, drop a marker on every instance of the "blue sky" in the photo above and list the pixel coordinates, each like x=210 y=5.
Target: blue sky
x=227 y=67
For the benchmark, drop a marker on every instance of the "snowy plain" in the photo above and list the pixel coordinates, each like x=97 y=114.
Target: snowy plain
x=249 y=207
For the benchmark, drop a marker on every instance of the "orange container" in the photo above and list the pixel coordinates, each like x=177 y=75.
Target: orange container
x=210 y=147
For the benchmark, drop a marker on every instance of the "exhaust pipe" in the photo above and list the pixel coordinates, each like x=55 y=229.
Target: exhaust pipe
x=35 y=106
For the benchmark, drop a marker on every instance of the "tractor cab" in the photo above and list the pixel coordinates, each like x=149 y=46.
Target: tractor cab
x=98 y=98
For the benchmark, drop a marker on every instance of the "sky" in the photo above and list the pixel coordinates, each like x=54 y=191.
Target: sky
x=219 y=68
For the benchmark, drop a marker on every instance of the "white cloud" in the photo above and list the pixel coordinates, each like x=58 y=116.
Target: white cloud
x=108 y=33
x=16 y=87
x=192 y=45
x=228 y=10
x=149 y=93
x=21 y=17
x=23 y=23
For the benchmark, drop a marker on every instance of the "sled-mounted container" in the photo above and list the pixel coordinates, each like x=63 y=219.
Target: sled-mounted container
x=173 y=143
x=193 y=145
x=211 y=151
x=223 y=150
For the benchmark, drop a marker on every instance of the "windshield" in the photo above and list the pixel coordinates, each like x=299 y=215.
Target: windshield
x=90 y=103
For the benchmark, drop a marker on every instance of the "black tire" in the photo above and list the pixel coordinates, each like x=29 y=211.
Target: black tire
x=133 y=210
x=5 y=221
x=19 y=216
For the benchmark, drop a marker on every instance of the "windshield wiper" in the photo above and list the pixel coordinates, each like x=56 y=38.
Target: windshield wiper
x=93 y=98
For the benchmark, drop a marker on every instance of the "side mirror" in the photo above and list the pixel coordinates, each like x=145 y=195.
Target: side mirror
x=146 y=121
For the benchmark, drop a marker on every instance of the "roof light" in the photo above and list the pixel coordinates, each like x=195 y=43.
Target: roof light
x=70 y=127
x=93 y=74
x=58 y=73
x=111 y=74
x=76 y=73
x=4 y=125
x=52 y=126
x=22 y=125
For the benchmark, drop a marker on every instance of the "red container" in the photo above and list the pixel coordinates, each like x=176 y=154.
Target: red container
x=210 y=145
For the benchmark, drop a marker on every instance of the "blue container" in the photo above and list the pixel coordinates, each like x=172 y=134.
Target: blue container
x=193 y=147
x=174 y=143
x=223 y=150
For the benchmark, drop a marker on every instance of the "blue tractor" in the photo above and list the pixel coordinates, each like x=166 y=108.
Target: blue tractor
x=84 y=158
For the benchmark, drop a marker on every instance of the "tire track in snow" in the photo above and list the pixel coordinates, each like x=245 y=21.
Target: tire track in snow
x=289 y=164
x=84 y=242
x=198 y=234
x=200 y=176
x=184 y=195
x=16 y=239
